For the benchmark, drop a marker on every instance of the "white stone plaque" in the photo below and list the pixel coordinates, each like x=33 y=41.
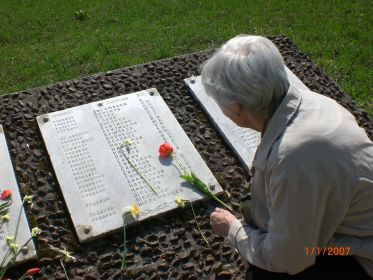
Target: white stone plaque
x=243 y=141
x=8 y=181
x=97 y=180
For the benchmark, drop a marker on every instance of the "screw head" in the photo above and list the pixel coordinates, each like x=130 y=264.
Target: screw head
x=45 y=119
x=192 y=80
x=86 y=230
x=212 y=187
x=24 y=250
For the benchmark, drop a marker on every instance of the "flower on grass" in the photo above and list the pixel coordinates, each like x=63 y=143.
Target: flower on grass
x=6 y=194
x=132 y=210
x=180 y=202
x=33 y=271
x=35 y=231
x=165 y=150
x=4 y=218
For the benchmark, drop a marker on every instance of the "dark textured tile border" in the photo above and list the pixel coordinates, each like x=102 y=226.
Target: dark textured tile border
x=165 y=247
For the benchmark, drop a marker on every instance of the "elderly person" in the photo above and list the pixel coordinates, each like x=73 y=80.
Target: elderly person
x=311 y=208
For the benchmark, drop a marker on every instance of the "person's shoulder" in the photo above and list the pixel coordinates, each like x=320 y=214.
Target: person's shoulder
x=309 y=160
x=320 y=151
x=321 y=123
x=294 y=148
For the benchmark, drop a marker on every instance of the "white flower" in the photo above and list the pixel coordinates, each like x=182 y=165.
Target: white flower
x=13 y=246
x=66 y=255
x=126 y=143
x=9 y=239
x=5 y=218
x=28 y=198
x=132 y=210
x=35 y=231
x=180 y=202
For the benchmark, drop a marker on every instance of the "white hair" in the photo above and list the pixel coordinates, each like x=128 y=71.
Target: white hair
x=248 y=70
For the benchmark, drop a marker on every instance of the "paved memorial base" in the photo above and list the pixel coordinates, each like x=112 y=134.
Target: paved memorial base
x=167 y=246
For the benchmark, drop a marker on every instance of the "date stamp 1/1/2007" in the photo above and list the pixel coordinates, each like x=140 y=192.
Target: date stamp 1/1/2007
x=327 y=251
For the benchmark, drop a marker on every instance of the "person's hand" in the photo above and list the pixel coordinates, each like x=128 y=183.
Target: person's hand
x=221 y=220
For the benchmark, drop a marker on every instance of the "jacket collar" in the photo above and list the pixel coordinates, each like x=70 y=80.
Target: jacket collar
x=276 y=126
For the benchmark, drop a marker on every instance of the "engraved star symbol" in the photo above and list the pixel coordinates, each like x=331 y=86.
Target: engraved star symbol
x=100 y=104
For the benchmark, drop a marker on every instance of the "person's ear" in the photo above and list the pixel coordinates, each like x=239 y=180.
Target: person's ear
x=237 y=108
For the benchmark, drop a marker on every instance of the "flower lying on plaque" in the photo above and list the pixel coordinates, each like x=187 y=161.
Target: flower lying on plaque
x=5 y=204
x=166 y=150
x=6 y=194
x=127 y=145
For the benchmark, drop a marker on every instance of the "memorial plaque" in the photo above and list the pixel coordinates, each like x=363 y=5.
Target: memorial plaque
x=96 y=178
x=243 y=141
x=8 y=181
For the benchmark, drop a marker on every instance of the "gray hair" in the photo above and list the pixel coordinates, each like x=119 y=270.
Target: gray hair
x=248 y=70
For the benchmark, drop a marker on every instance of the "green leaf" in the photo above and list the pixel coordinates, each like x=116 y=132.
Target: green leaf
x=187 y=178
x=204 y=189
x=5 y=207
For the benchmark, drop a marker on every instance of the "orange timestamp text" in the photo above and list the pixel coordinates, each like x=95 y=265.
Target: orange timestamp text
x=327 y=251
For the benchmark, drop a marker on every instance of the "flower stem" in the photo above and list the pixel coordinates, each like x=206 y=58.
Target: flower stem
x=5 y=207
x=123 y=266
x=5 y=257
x=221 y=202
x=18 y=220
x=11 y=261
x=138 y=172
x=15 y=254
x=179 y=165
x=195 y=218
x=178 y=169
x=23 y=276
x=64 y=269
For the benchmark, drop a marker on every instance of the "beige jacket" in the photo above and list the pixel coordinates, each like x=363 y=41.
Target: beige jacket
x=312 y=187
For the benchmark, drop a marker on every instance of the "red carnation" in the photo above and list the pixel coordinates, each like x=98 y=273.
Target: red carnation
x=165 y=150
x=33 y=271
x=5 y=194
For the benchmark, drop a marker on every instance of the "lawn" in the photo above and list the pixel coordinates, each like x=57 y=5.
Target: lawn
x=42 y=42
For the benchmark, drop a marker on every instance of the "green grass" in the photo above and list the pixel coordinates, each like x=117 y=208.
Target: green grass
x=42 y=42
